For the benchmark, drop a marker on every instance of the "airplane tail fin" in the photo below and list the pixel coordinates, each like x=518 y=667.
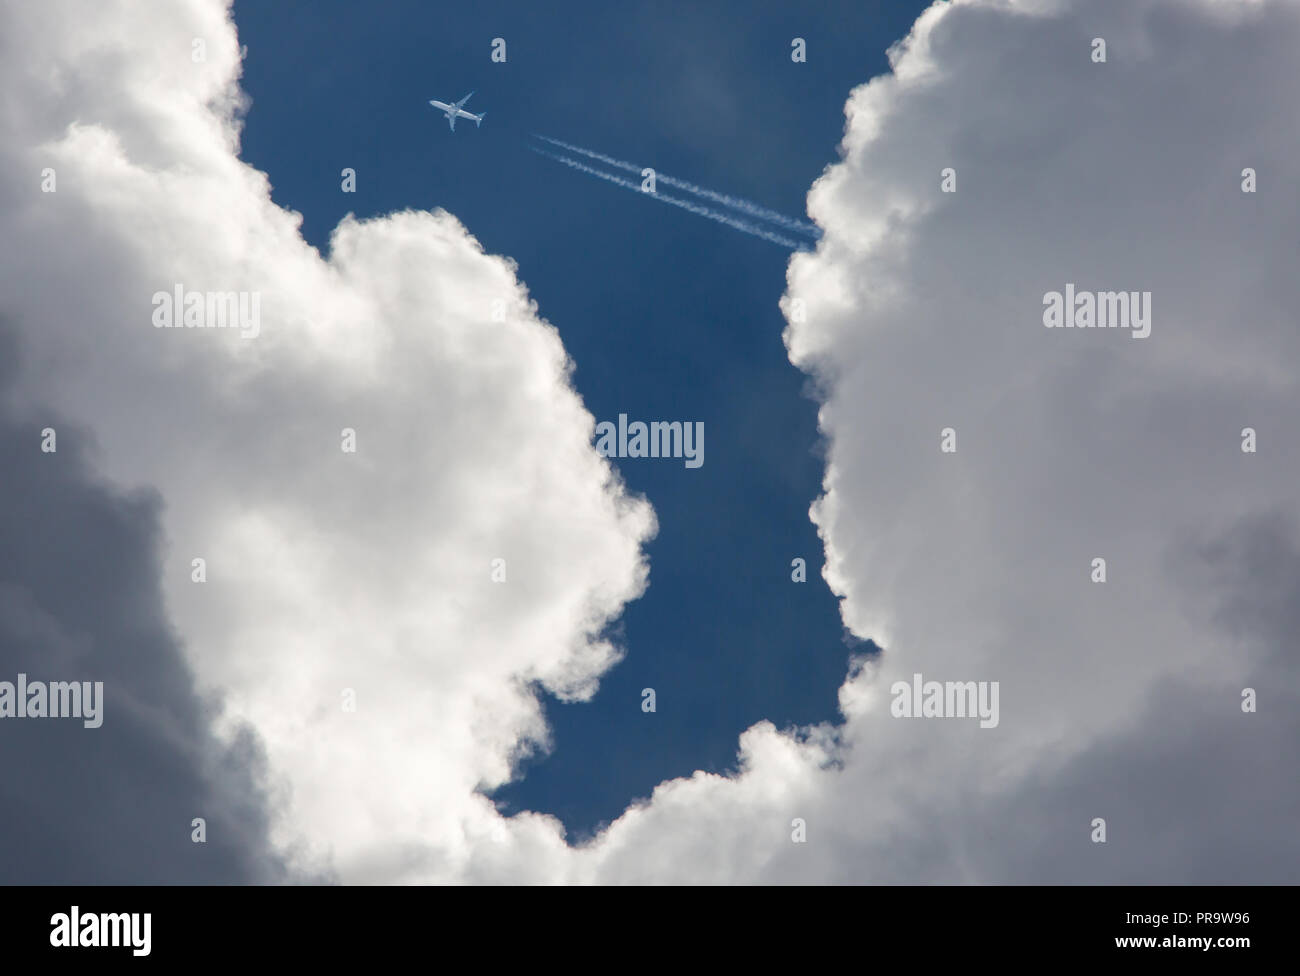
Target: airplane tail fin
x=479 y=121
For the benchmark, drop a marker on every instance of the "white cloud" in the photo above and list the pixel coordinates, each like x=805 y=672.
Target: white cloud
x=326 y=571
x=923 y=311
x=370 y=571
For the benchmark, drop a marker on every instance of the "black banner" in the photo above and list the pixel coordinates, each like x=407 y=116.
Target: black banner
x=167 y=926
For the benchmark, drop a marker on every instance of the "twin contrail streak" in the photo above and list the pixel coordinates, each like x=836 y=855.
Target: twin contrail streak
x=735 y=203
x=743 y=226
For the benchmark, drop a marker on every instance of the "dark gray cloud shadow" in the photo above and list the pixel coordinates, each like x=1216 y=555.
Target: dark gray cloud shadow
x=80 y=599
x=1196 y=791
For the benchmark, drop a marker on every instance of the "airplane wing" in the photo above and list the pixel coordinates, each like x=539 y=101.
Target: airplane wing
x=451 y=122
x=461 y=103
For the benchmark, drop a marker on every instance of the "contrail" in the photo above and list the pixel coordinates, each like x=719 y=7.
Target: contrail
x=730 y=221
x=736 y=203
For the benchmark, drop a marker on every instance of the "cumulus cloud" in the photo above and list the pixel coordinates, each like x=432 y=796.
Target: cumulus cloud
x=331 y=577
x=369 y=572
x=922 y=310
x=79 y=601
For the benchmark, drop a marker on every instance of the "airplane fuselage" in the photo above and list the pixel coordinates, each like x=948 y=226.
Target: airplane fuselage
x=457 y=111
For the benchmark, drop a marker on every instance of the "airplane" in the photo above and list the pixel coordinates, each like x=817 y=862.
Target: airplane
x=457 y=111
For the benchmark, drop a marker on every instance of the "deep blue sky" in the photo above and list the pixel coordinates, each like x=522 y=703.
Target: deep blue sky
x=666 y=315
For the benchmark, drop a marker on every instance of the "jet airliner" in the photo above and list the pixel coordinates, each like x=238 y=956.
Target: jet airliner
x=457 y=111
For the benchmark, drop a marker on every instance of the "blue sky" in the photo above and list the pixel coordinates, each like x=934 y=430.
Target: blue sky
x=665 y=315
